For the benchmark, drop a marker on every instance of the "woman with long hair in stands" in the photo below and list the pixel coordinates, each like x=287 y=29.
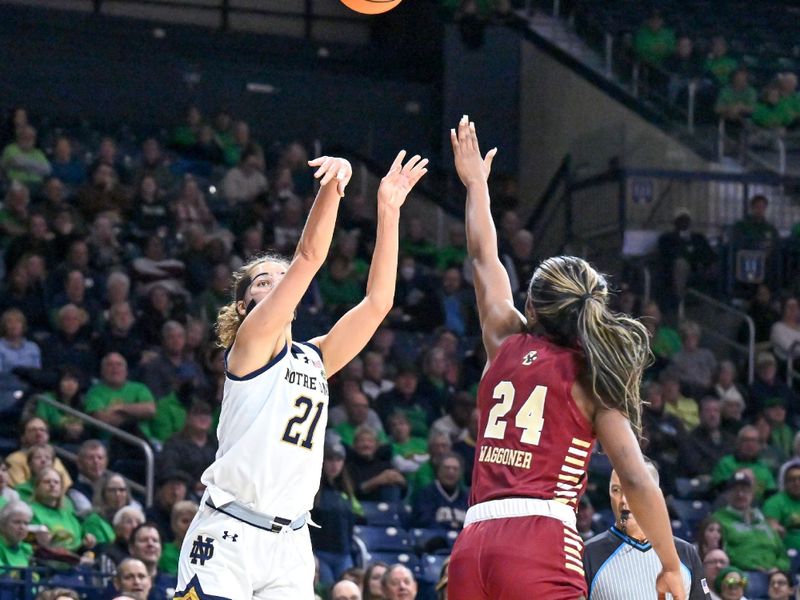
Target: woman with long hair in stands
x=543 y=400
x=249 y=539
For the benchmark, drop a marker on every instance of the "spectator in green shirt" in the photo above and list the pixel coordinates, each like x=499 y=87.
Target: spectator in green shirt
x=790 y=99
x=118 y=401
x=182 y=514
x=14 y=520
x=781 y=438
x=653 y=42
x=39 y=458
x=737 y=100
x=783 y=509
x=111 y=494
x=754 y=232
x=750 y=542
x=745 y=456
x=408 y=452
x=186 y=136
x=719 y=63
x=358 y=413
x=23 y=161
x=771 y=113
x=664 y=340
x=51 y=509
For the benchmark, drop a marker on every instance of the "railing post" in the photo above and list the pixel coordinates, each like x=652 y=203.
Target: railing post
x=690 y=108
x=781 y=155
x=721 y=139
x=609 y=55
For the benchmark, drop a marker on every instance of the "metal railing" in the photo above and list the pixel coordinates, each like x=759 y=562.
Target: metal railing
x=747 y=349
x=124 y=436
x=791 y=374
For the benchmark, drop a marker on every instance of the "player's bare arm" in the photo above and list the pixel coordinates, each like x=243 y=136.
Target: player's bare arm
x=645 y=498
x=352 y=332
x=261 y=335
x=496 y=311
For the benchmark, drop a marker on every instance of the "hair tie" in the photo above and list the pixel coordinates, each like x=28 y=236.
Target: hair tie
x=586 y=297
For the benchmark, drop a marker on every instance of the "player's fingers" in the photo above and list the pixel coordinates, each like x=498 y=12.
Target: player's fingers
x=398 y=160
x=473 y=136
x=420 y=165
x=489 y=158
x=323 y=168
x=454 y=140
x=410 y=163
x=463 y=130
x=317 y=161
x=330 y=173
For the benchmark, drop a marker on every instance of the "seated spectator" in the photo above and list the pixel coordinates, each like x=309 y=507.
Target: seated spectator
x=145 y=545
x=444 y=502
x=456 y=422
x=92 y=465
x=34 y=431
x=171 y=488
x=787 y=84
x=725 y=386
x=288 y=227
x=713 y=562
x=70 y=344
x=246 y=180
x=14 y=214
x=675 y=403
x=771 y=113
x=357 y=413
x=685 y=256
x=730 y=584
x=107 y=249
x=465 y=447
x=7 y=493
x=372 y=581
x=695 y=365
x=335 y=509
x=40 y=457
x=118 y=401
x=21 y=292
x=406 y=397
x=124 y=522
x=150 y=214
x=65 y=165
x=433 y=384
x=662 y=432
x=454 y=253
x=121 y=334
x=737 y=100
x=755 y=232
x=66 y=428
x=345 y=590
x=708 y=536
x=707 y=443
x=370 y=465
x=399 y=583
x=684 y=68
x=74 y=291
x=439 y=446
x=172 y=366
x=58 y=594
x=781 y=437
x=750 y=542
x=721 y=66
x=55 y=201
x=14 y=520
x=408 y=453
x=190 y=207
x=22 y=161
x=103 y=194
x=182 y=514
x=111 y=494
x=185 y=136
x=745 y=456
x=653 y=42
x=38 y=239
x=52 y=510
x=457 y=304
x=416 y=243
x=780 y=587
x=768 y=385
x=785 y=334
x=16 y=351
x=133 y=580
x=375 y=382
x=161 y=304
x=519 y=264
x=193 y=449
x=769 y=455
x=783 y=509
x=664 y=340
x=153 y=163
x=215 y=296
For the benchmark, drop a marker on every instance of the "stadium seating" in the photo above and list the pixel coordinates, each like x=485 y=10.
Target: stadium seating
x=382 y=513
x=384 y=539
x=690 y=512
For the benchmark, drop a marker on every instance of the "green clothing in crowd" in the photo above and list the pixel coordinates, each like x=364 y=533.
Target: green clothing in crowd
x=413 y=447
x=100 y=396
x=782 y=440
x=786 y=511
x=729 y=96
x=752 y=546
x=170 y=417
x=26 y=166
x=666 y=342
x=170 y=553
x=347 y=432
x=791 y=104
x=753 y=233
x=422 y=477
x=25 y=491
x=686 y=410
x=654 y=46
x=15 y=556
x=728 y=465
x=64 y=526
x=773 y=116
x=101 y=529
x=54 y=417
x=721 y=67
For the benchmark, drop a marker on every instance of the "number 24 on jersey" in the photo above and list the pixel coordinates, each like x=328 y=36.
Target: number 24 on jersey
x=529 y=418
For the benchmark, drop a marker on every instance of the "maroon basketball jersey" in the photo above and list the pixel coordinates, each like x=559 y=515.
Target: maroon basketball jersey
x=533 y=441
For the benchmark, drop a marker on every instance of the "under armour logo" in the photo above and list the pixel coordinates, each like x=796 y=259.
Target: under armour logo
x=530 y=357
x=202 y=550
x=226 y=535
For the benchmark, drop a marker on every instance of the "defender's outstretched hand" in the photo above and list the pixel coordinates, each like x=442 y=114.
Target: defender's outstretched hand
x=399 y=181
x=331 y=167
x=470 y=166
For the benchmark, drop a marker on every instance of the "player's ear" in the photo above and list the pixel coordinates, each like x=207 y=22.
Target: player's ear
x=530 y=313
x=240 y=308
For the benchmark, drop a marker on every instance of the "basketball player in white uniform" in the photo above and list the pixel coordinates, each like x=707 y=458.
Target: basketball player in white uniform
x=250 y=538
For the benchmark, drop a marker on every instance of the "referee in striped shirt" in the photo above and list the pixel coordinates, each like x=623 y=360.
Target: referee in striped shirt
x=620 y=564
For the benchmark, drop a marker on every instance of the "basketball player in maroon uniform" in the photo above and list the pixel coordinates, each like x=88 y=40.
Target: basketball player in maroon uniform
x=543 y=401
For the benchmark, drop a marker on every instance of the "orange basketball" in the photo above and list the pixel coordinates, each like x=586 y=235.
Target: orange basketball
x=371 y=7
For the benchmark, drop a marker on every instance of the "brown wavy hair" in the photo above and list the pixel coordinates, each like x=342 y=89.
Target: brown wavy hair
x=229 y=319
x=571 y=302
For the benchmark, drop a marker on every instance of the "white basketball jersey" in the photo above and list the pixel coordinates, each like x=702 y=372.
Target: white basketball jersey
x=271 y=435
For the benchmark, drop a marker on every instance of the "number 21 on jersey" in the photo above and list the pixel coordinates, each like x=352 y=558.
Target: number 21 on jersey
x=529 y=418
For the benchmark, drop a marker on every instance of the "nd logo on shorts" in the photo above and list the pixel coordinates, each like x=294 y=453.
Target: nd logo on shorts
x=194 y=591
x=202 y=550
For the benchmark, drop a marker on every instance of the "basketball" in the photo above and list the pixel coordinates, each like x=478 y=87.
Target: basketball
x=371 y=7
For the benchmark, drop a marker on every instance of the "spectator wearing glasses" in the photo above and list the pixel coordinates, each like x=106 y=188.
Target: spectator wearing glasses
x=783 y=509
x=730 y=584
x=713 y=562
x=780 y=587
